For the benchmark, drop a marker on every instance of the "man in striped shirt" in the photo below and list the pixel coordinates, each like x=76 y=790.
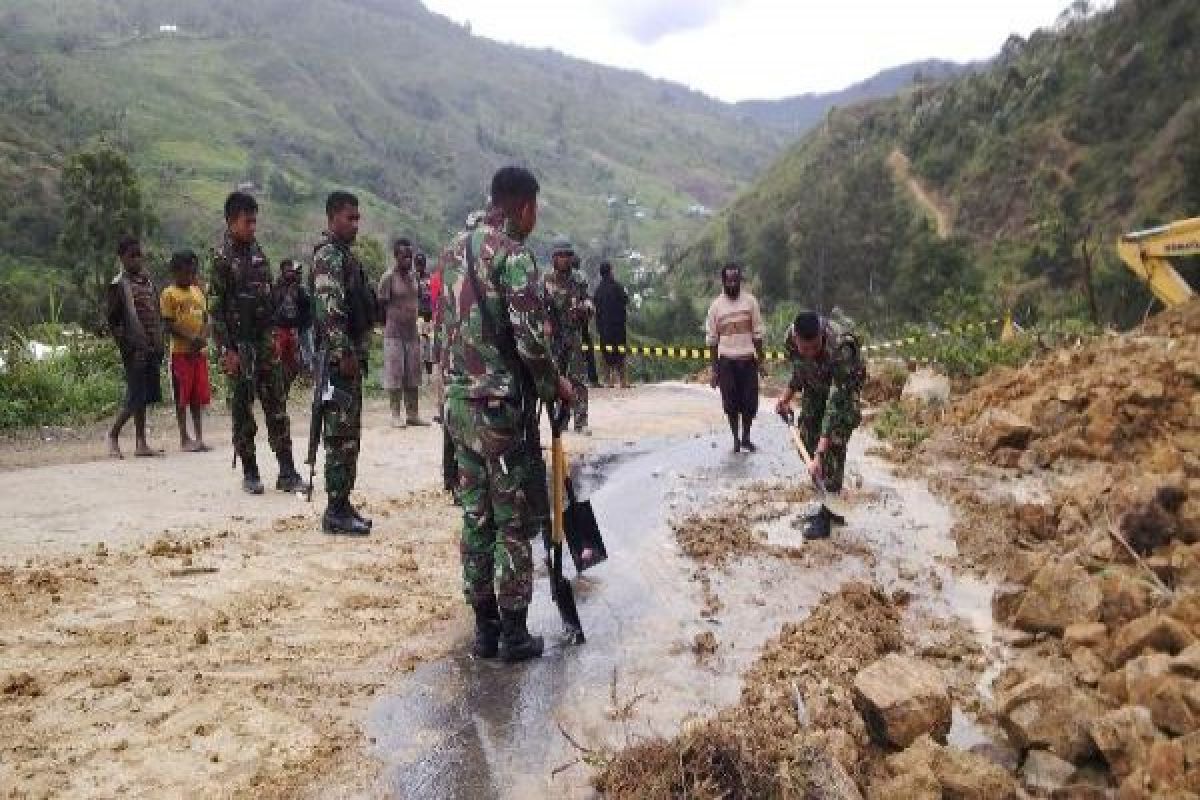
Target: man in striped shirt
x=735 y=336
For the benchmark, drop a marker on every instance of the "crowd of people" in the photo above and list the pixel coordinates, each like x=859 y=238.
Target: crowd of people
x=500 y=340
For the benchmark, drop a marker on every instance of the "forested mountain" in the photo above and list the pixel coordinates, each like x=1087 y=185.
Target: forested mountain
x=798 y=115
x=964 y=198
x=298 y=97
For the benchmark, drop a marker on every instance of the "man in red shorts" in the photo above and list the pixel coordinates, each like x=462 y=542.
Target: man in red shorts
x=185 y=314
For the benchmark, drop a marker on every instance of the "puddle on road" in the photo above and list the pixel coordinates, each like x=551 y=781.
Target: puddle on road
x=459 y=728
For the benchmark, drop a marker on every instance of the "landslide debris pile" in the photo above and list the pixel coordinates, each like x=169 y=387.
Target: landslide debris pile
x=794 y=730
x=1127 y=398
x=1104 y=575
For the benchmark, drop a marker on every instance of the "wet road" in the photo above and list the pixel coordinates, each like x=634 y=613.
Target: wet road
x=459 y=728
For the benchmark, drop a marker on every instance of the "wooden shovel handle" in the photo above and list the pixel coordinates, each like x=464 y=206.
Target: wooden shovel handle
x=558 y=472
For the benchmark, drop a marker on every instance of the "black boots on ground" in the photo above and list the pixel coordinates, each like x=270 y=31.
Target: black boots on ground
x=487 y=629
x=516 y=644
x=341 y=519
x=251 y=481
x=290 y=480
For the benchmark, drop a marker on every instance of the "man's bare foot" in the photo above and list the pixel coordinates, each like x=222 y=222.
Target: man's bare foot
x=146 y=451
x=202 y=447
x=190 y=446
x=114 y=448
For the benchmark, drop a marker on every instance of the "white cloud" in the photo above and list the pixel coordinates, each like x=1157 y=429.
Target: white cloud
x=739 y=49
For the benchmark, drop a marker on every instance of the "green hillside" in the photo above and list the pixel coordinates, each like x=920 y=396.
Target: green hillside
x=965 y=198
x=399 y=104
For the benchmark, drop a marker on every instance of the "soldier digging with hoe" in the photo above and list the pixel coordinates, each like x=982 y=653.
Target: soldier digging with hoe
x=828 y=375
x=498 y=366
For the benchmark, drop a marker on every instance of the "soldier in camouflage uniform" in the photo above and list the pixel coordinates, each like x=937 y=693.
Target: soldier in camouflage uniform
x=242 y=320
x=345 y=315
x=497 y=366
x=570 y=309
x=828 y=374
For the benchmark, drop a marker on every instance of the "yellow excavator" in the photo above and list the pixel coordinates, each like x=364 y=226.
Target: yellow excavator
x=1148 y=254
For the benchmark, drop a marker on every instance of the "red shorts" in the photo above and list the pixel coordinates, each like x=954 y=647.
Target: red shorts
x=287 y=346
x=189 y=379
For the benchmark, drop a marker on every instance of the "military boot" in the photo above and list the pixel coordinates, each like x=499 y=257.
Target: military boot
x=818 y=525
x=487 y=628
x=251 y=482
x=515 y=642
x=289 y=479
x=339 y=520
x=358 y=515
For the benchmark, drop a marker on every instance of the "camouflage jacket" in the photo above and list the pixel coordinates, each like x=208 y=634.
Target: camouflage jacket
x=483 y=367
x=342 y=300
x=837 y=373
x=569 y=307
x=240 y=293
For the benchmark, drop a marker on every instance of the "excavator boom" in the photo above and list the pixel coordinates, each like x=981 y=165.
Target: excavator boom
x=1147 y=253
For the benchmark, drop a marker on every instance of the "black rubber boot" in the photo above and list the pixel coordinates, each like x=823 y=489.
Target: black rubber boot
x=836 y=519
x=515 y=642
x=339 y=520
x=487 y=629
x=733 y=428
x=251 y=482
x=747 y=445
x=818 y=525
x=289 y=480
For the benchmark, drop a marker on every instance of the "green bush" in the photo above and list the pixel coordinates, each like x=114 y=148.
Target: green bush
x=83 y=384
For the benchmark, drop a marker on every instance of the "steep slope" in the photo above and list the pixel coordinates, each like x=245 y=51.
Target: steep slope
x=1075 y=135
x=380 y=95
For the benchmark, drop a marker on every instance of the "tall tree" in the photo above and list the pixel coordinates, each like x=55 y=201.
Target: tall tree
x=102 y=202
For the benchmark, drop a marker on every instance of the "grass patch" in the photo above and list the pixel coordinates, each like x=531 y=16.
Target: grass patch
x=899 y=425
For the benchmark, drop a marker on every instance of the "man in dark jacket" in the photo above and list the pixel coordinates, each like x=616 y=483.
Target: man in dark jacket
x=612 y=303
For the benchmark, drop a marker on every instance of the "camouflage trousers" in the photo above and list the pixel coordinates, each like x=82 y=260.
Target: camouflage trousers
x=267 y=384
x=495 y=474
x=343 y=432
x=813 y=402
x=572 y=363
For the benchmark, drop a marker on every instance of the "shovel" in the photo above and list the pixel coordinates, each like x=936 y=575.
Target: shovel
x=582 y=531
x=832 y=502
x=560 y=587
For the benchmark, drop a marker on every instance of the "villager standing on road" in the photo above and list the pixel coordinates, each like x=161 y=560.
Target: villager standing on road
x=399 y=303
x=345 y=315
x=240 y=302
x=612 y=308
x=497 y=367
x=570 y=310
x=735 y=335
x=293 y=322
x=828 y=374
x=185 y=314
x=133 y=317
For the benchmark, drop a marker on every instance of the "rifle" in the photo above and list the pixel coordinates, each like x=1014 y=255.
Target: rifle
x=324 y=393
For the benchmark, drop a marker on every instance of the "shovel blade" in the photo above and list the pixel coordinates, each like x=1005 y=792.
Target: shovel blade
x=564 y=597
x=583 y=536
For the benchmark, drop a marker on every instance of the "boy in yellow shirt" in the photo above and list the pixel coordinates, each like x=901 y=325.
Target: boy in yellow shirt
x=185 y=313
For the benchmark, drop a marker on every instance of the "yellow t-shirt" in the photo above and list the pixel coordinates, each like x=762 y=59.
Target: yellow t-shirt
x=188 y=309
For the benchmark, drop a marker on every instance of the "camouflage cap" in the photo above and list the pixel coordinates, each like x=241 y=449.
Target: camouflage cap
x=561 y=244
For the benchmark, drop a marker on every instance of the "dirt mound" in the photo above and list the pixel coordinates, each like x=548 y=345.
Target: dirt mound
x=794 y=731
x=1130 y=397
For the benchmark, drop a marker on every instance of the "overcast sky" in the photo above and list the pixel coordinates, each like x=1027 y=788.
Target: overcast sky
x=742 y=49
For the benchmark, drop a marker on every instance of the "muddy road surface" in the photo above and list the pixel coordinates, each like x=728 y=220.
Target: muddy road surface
x=162 y=634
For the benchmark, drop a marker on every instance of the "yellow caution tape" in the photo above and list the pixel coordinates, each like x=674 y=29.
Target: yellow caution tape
x=699 y=353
